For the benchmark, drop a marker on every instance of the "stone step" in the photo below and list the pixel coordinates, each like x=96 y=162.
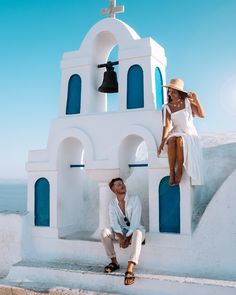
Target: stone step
x=13 y=288
x=61 y=274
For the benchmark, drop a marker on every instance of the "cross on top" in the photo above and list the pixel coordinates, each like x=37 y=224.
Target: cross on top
x=113 y=9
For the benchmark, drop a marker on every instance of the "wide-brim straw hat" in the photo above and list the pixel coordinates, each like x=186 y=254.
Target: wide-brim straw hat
x=176 y=84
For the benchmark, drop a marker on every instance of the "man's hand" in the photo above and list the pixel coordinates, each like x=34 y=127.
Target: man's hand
x=127 y=241
x=122 y=242
x=122 y=239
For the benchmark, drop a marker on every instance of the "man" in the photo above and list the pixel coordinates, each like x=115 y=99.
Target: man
x=125 y=216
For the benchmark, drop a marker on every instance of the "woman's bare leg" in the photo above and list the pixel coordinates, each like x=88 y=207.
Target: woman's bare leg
x=180 y=159
x=172 y=158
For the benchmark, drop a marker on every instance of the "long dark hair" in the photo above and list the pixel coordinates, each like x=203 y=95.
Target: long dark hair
x=182 y=95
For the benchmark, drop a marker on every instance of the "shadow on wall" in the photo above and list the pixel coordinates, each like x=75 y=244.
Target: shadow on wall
x=219 y=163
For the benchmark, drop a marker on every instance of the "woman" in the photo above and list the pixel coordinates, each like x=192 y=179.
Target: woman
x=180 y=134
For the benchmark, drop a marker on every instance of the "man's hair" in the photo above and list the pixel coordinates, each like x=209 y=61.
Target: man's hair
x=111 y=183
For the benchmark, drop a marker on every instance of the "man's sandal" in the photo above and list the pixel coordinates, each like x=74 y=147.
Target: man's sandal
x=111 y=267
x=129 y=278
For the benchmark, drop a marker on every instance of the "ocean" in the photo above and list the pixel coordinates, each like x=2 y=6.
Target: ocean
x=13 y=196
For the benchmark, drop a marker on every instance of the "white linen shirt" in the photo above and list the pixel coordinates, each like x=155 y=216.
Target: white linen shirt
x=133 y=212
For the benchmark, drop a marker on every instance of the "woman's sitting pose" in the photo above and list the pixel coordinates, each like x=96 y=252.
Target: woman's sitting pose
x=180 y=134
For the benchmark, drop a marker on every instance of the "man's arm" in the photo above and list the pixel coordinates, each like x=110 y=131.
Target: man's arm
x=113 y=220
x=135 y=217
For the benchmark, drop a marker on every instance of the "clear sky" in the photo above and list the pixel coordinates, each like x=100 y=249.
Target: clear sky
x=199 y=38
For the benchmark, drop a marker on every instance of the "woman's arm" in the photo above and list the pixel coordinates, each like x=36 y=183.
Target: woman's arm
x=165 y=132
x=196 y=106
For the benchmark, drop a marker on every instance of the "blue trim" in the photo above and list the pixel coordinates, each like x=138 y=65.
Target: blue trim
x=159 y=89
x=74 y=95
x=135 y=88
x=169 y=207
x=77 y=165
x=138 y=165
x=42 y=202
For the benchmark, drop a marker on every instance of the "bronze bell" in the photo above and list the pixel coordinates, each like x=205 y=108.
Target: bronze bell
x=109 y=83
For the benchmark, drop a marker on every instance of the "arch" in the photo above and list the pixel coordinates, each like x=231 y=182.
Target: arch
x=76 y=133
x=42 y=202
x=159 y=89
x=137 y=179
x=77 y=193
x=73 y=95
x=169 y=207
x=121 y=32
x=144 y=134
x=130 y=139
x=135 y=87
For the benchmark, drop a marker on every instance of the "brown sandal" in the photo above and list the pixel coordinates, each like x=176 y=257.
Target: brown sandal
x=129 y=278
x=111 y=267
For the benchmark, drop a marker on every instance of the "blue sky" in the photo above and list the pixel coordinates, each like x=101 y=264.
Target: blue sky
x=199 y=38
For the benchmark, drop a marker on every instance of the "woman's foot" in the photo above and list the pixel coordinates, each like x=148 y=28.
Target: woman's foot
x=178 y=175
x=172 y=179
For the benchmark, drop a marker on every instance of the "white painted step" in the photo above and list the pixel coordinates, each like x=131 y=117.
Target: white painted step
x=91 y=277
x=13 y=288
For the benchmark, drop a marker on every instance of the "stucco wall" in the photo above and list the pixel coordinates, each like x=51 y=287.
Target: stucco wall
x=11 y=235
x=219 y=163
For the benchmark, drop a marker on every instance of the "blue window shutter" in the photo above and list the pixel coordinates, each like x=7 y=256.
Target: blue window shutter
x=169 y=207
x=135 y=89
x=42 y=202
x=159 y=89
x=74 y=95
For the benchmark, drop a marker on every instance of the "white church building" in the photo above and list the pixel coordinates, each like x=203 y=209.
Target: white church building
x=190 y=230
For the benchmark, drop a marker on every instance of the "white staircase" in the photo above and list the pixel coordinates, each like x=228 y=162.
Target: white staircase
x=91 y=277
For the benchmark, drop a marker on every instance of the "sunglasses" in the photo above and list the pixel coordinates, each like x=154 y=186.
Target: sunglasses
x=127 y=221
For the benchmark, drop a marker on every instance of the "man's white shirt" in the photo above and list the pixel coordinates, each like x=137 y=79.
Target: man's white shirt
x=133 y=211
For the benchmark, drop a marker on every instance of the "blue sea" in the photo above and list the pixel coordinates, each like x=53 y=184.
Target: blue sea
x=13 y=195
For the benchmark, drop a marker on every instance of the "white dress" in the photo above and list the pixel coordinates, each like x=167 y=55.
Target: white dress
x=182 y=125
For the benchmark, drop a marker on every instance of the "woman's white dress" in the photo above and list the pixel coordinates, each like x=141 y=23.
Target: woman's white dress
x=182 y=125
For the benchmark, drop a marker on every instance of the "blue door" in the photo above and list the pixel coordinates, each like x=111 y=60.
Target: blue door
x=42 y=202
x=135 y=92
x=169 y=207
x=159 y=89
x=74 y=95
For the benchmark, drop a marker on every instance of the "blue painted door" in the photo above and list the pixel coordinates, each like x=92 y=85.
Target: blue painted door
x=135 y=92
x=169 y=207
x=159 y=89
x=42 y=202
x=74 y=95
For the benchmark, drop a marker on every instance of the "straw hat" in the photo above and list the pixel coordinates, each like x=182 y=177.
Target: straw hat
x=177 y=84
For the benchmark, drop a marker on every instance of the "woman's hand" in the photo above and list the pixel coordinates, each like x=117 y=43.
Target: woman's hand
x=160 y=148
x=196 y=106
x=193 y=99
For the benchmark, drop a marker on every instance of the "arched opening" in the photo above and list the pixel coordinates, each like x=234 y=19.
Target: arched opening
x=135 y=87
x=159 y=89
x=133 y=158
x=112 y=103
x=73 y=95
x=104 y=47
x=77 y=194
x=169 y=207
x=42 y=202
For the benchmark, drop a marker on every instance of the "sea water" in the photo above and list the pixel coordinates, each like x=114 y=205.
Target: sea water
x=13 y=196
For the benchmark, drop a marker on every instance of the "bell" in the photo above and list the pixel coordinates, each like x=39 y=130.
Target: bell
x=109 y=84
